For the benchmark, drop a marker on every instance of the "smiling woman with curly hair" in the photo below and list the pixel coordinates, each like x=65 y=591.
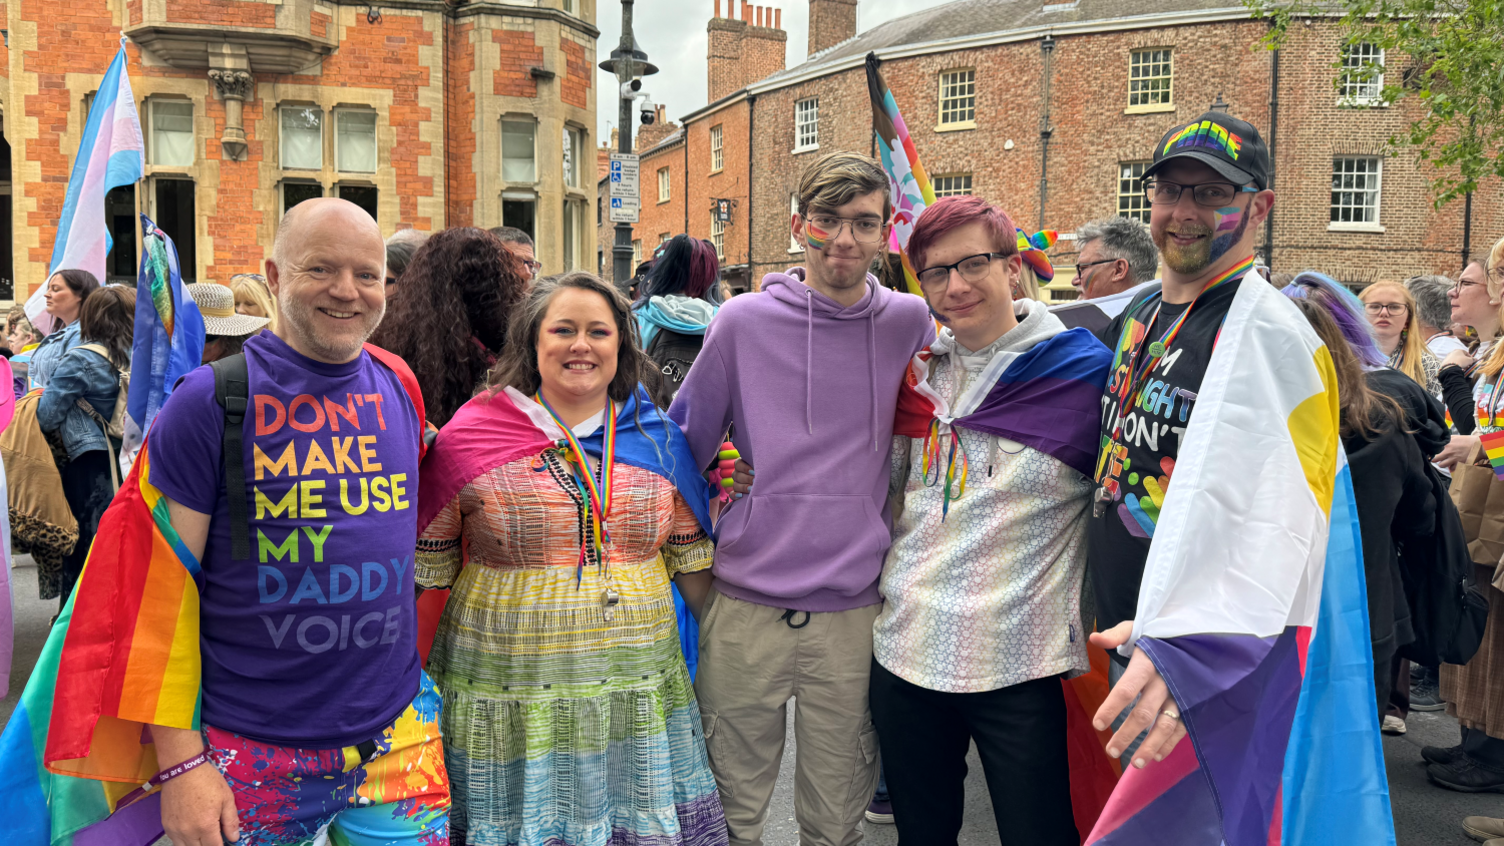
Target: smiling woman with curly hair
x=448 y=318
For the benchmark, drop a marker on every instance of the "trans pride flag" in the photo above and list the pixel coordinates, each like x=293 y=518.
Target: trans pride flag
x=169 y=337
x=910 y=185
x=124 y=654
x=1253 y=609
x=109 y=154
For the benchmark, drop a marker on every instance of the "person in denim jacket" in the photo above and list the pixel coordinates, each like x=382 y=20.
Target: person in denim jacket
x=66 y=292
x=107 y=319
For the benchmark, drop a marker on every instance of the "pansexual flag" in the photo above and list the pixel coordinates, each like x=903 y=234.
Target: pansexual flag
x=109 y=154
x=1254 y=610
x=124 y=655
x=910 y=185
x=169 y=337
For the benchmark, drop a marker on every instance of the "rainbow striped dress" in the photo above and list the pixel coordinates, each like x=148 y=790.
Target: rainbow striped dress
x=564 y=724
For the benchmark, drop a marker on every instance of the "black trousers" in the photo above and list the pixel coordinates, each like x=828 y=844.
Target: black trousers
x=1020 y=735
x=87 y=487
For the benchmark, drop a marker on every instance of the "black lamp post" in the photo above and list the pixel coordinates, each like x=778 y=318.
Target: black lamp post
x=628 y=63
x=1220 y=106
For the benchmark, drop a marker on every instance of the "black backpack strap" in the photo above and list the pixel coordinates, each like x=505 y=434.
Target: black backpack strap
x=232 y=390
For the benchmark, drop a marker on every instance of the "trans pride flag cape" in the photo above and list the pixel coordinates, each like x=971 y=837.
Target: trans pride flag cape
x=910 y=185
x=110 y=153
x=123 y=654
x=1253 y=609
x=169 y=337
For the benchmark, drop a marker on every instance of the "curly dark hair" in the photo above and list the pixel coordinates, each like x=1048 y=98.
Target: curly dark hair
x=448 y=318
x=518 y=365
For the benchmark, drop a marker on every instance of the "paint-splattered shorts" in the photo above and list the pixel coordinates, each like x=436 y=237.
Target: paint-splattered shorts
x=399 y=796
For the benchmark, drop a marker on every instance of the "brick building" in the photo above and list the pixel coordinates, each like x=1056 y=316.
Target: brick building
x=425 y=112
x=1052 y=109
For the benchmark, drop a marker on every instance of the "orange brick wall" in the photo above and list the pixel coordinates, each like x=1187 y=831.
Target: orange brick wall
x=657 y=219
x=460 y=103
x=730 y=182
x=519 y=52
x=574 y=87
x=222 y=12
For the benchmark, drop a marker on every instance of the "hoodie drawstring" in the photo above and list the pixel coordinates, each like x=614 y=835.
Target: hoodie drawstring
x=809 y=360
x=872 y=370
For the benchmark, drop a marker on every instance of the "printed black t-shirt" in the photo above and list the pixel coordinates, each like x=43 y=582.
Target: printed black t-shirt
x=1142 y=459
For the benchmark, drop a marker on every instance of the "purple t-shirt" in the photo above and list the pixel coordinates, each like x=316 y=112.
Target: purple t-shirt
x=312 y=641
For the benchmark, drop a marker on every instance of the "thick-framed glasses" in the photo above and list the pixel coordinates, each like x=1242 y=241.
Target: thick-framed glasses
x=1383 y=308
x=972 y=269
x=1212 y=195
x=865 y=229
x=1463 y=283
x=1081 y=268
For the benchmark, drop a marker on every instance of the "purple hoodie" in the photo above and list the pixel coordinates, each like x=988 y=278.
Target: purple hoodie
x=811 y=388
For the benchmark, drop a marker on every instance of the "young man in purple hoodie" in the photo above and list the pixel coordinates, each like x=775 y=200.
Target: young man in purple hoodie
x=807 y=377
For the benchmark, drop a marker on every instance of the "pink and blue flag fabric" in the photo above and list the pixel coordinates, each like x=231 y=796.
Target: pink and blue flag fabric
x=1253 y=608
x=168 y=340
x=910 y=185
x=110 y=154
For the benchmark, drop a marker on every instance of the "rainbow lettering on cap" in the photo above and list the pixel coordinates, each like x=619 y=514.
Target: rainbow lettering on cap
x=1206 y=134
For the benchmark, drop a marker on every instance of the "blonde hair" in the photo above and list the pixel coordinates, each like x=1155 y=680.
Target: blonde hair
x=837 y=179
x=1028 y=283
x=1495 y=262
x=252 y=286
x=1411 y=346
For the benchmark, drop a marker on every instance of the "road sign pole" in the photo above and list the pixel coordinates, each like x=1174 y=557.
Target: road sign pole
x=621 y=252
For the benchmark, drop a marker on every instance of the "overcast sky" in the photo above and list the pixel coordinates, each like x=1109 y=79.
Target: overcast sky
x=672 y=33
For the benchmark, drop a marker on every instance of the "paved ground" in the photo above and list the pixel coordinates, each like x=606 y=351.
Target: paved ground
x=1424 y=815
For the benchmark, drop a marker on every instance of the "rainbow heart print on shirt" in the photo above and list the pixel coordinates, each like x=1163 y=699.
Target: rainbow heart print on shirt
x=1493 y=446
x=1140 y=513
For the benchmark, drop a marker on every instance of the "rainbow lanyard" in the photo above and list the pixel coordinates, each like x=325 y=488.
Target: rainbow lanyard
x=1491 y=410
x=596 y=493
x=955 y=477
x=1139 y=377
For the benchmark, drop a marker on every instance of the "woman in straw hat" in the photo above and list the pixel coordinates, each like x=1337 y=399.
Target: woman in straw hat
x=225 y=330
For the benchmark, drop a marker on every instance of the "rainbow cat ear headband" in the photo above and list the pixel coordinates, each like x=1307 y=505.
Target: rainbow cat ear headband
x=1033 y=247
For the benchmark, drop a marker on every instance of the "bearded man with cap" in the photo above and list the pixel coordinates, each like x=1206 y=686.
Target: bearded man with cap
x=1208 y=189
x=225 y=331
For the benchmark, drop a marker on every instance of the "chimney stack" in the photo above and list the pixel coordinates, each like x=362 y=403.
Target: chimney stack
x=743 y=51
x=830 y=23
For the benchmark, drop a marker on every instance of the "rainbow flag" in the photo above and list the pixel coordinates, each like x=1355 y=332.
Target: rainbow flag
x=1253 y=608
x=910 y=185
x=169 y=337
x=124 y=655
x=110 y=153
x=1493 y=446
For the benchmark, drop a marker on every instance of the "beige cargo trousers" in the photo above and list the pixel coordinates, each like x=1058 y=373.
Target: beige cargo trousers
x=752 y=661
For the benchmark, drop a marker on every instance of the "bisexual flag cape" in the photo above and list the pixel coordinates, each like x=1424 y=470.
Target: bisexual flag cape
x=1253 y=609
x=495 y=429
x=123 y=656
x=1048 y=398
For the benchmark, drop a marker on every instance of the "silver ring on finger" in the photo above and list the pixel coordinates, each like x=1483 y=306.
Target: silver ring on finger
x=1171 y=713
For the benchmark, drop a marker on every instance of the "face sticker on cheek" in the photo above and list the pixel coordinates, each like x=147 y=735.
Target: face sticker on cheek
x=1227 y=220
x=814 y=236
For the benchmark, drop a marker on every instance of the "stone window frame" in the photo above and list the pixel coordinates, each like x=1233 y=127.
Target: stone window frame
x=665 y=185
x=501 y=156
x=574 y=252
x=1131 y=202
x=718 y=235
x=339 y=112
x=717 y=148
x=806 y=124
x=296 y=180
x=1361 y=92
x=1361 y=196
x=579 y=139
x=336 y=190
x=952 y=185
x=1144 y=64
x=953 y=111
x=281 y=136
x=152 y=101
x=636 y=253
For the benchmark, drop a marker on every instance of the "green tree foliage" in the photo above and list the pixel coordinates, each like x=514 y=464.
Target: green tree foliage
x=1448 y=54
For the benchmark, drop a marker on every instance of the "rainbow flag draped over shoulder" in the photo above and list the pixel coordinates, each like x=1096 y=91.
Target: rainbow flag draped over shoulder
x=169 y=337
x=909 y=183
x=124 y=654
x=110 y=153
x=1253 y=608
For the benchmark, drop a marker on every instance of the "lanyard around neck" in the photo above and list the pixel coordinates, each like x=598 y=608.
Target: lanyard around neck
x=595 y=492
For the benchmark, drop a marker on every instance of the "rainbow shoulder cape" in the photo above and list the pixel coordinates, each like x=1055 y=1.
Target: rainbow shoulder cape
x=1253 y=609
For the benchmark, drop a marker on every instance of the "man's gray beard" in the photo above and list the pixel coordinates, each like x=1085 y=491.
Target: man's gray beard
x=294 y=316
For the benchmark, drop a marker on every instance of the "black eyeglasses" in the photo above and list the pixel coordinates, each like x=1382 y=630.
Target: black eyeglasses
x=1211 y=195
x=972 y=269
x=1081 y=268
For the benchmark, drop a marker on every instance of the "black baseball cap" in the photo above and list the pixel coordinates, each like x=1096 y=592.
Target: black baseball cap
x=1220 y=141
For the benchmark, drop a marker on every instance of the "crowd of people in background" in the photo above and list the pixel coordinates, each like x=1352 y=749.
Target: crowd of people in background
x=565 y=426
